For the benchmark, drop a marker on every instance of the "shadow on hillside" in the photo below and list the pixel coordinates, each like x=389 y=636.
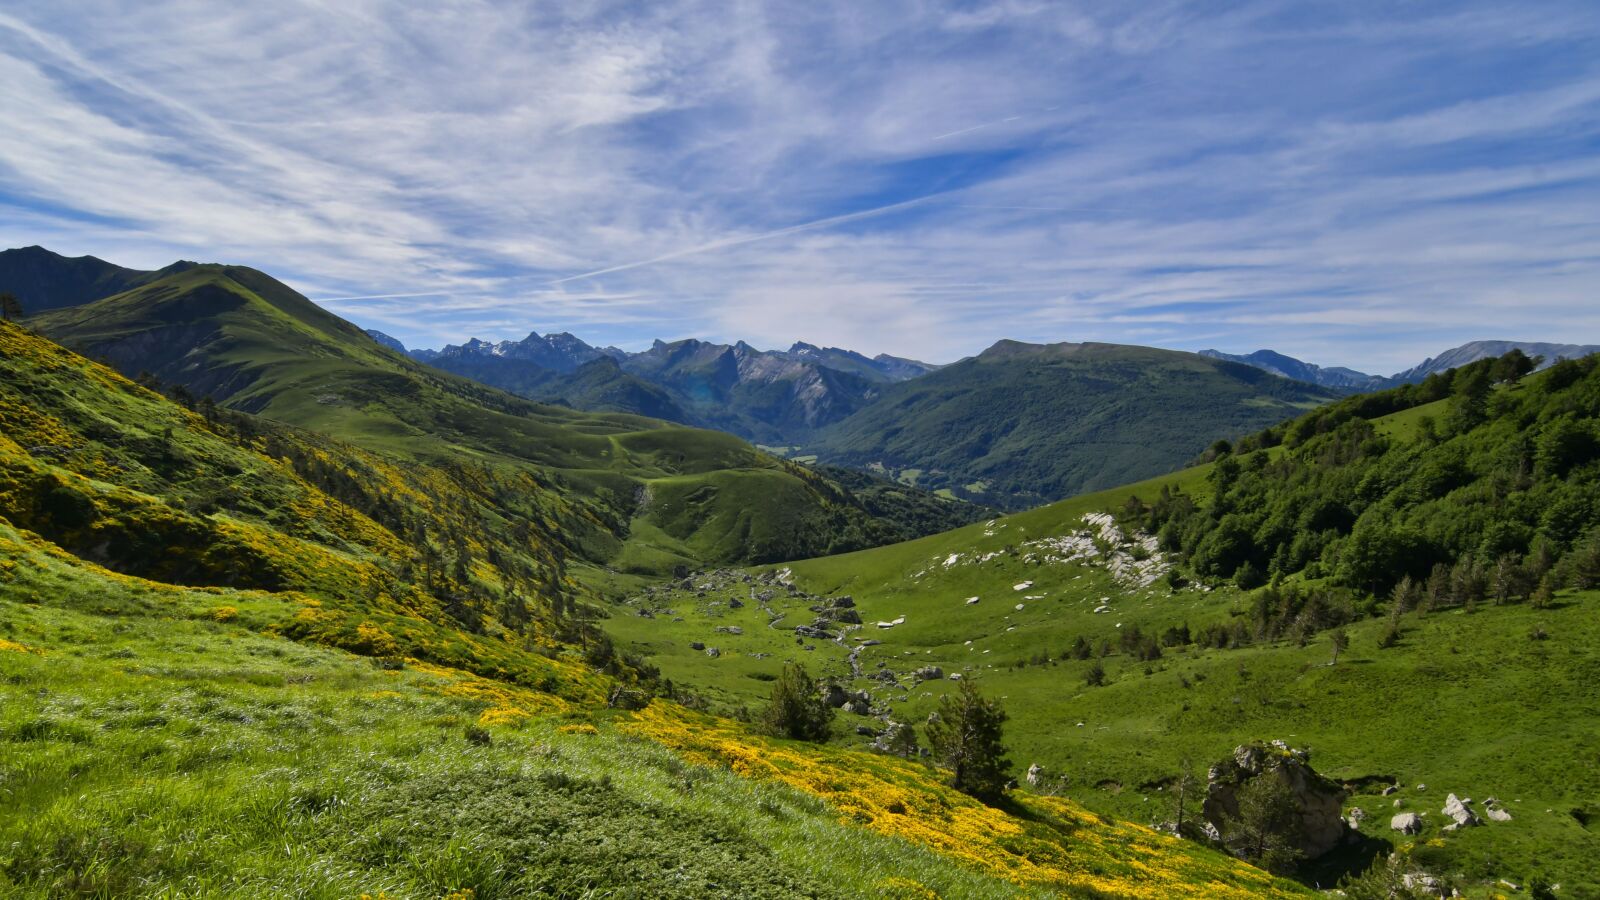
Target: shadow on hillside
x=1350 y=860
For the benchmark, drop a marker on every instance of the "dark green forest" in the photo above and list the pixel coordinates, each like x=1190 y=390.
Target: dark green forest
x=1491 y=494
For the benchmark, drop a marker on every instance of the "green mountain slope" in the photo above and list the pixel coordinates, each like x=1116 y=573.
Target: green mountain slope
x=238 y=659
x=253 y=344
x=1453 y=688
x=1024 y=424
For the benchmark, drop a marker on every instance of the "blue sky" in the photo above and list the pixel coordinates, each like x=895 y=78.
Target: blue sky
x=1353 y=183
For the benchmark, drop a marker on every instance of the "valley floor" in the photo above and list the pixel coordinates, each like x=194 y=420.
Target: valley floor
x=1497 y=702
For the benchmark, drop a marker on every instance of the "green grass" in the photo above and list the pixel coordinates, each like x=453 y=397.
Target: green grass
x=142 y=757
x=1466 y=703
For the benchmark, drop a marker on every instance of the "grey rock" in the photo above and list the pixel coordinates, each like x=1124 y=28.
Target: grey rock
x=1461 y=811
x=928 y=673
x=1035 y=775
x=696 y=645
x=1318 y=800
x=1406 y=823
x=713 y=652
x=834 y=695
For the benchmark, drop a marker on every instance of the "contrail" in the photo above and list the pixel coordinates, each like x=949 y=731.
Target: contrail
x=734 y=242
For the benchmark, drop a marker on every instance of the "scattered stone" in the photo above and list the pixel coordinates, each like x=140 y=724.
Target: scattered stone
x=869 y=642
x=844 y=602
x=1406 y=823
x=1356 y=817
x=955 y=676
x=866 y=731
x=696 y=645
x=713 y=652
x=730 y=629
x=1035 y=775
x=1022 y=586
x=1390 y=789
x=971 y=600
x=1019 y=607
x=1399 y=802
x=1460 y=810
x=928 y=673
x=735 y=603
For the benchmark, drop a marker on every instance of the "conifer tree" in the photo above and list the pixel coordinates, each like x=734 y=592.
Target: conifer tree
x=797 y=709
x=966 y=736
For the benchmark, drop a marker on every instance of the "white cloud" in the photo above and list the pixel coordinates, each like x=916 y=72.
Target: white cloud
x=1366 y=189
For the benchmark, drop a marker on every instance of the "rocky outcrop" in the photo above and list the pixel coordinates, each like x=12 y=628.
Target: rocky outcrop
x=1318 y=800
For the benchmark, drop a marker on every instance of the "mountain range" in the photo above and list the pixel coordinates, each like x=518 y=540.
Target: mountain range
x=1350 y=381
x=614 y=489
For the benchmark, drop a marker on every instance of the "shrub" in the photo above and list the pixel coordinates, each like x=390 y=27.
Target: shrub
x=797 y=709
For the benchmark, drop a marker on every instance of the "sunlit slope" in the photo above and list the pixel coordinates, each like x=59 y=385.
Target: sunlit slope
x=255 y=345
x=1480 y=700
x=241 y=660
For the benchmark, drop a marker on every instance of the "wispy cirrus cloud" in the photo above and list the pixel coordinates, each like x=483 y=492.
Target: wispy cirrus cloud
x=1360 y=185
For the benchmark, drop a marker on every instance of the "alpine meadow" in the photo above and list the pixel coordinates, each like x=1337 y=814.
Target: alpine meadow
x=784 y=450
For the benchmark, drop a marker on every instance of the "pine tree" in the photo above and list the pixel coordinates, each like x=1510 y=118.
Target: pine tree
x=10 y=307
x=965 y=735
x=1266 y=829
x=797 y=709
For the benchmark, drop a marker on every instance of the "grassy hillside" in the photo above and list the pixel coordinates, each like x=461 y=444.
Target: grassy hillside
x=220 y=677
x=1025 y=424
x=1478 y=698
x=254 y=345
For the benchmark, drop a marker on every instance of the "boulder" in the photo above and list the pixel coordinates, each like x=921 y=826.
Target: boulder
x=834 y=695
x=729 y=629
x=735 y=603
x=847 y=616
x=1461 y=811
x=713 y=652
x=1035 y=775
x=843 y=602
x=1390 y=789
x=1319 y=801
x=1497 y=814
x=866 y=731
x=928 y=673
x=696 y=645
x=1406 y=823
x=1356 y=817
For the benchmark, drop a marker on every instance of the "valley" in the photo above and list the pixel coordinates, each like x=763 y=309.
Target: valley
x=552 y=620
